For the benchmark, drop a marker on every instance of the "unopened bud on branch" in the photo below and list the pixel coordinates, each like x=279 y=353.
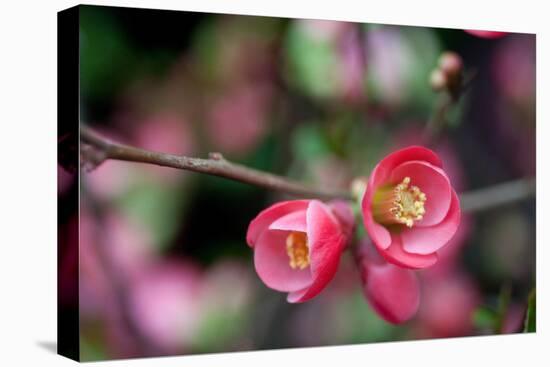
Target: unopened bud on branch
x=448 y=74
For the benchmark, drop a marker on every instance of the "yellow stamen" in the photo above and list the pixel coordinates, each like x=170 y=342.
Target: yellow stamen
x=297 y=250
x=399 y=204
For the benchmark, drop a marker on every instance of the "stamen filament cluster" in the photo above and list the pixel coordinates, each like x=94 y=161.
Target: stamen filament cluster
x=399 y=204
x=297 y=250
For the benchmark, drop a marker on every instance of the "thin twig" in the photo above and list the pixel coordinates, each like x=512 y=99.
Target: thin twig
x=498 y=195
x=439 y=115
x=99 y=148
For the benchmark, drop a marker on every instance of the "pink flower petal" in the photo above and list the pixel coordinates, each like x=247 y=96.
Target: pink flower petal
x=366 y=250
x=326 y=242
x=396 y=255
x=448 y=261
x=379 y=175
x=378 y=233
x=269 y=215
x=433 y=182
x=414 y=153
x=393 y=292
x=272 y=263
x=296 y=296
x=425 y=240
x=295 y=221
x=321 y=224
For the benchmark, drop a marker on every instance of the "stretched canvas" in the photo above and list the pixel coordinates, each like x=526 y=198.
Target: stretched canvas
x=236 y=183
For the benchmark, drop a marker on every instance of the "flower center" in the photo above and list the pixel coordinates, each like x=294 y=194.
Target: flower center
x=399 y=204
x=297 y=250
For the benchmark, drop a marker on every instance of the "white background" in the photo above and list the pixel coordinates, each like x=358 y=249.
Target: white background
x=28 y=183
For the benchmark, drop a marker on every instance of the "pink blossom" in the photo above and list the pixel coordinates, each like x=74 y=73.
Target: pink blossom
x=449 y=256
x=393 y=292
x=410 y=209
x=298 y=244
x=485 y=34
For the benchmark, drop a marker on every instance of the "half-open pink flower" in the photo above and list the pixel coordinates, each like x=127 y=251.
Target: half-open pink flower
x=410 y=209
x=297 y=245
x=393 y=292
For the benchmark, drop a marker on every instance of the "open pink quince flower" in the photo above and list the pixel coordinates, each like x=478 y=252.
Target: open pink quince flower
x=297 y=245
x=409 y=208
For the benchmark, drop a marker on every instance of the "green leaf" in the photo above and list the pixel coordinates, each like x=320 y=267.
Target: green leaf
x=531 y=316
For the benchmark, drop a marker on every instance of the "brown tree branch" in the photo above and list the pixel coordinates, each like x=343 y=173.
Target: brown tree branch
x=498 y=195
x=97 y=148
